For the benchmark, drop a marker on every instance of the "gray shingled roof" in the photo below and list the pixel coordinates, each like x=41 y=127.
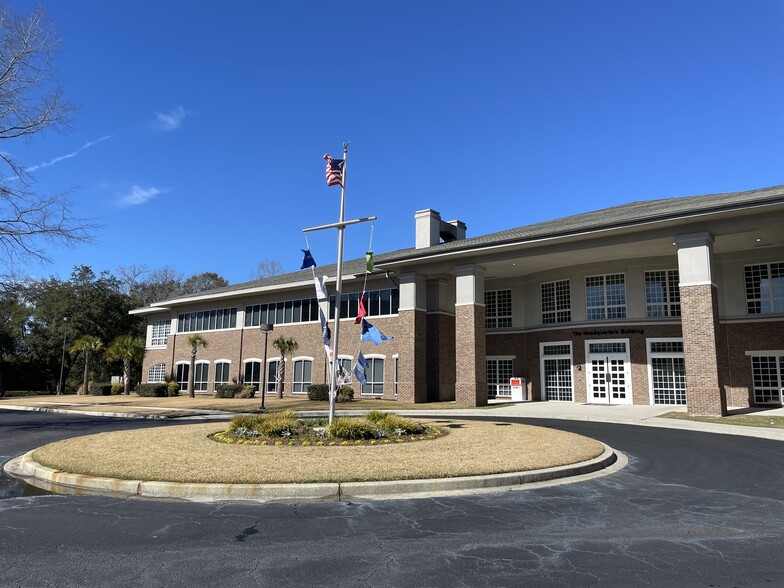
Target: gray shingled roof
x=615 y=216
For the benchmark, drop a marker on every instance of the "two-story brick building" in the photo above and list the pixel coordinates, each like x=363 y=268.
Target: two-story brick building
x=673 y=301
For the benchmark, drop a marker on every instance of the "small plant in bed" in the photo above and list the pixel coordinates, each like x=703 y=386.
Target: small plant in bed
x=284 y=429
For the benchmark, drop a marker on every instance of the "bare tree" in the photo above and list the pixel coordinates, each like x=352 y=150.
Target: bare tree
x=30 y=103
x=266 y=269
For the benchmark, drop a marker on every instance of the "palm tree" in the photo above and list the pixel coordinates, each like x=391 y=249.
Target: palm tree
x=286 y=347
x=126 y=348
x=195 y=341
x=87 y=344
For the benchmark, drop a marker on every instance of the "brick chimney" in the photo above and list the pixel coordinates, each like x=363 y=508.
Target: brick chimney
x=431 y=230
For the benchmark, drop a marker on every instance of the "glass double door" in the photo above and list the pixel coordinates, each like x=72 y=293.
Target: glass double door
x=608 y=376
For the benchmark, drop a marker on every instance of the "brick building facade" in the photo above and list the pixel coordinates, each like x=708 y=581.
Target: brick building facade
x=674 y=301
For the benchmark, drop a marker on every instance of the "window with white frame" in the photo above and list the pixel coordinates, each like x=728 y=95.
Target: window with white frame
x=768 y=375
x=605 y=297
x=556 y=302
x=498 y=309
x=374 y=376
x=207 y=320
x=181 y=375
x=764 y=288
x=667 y=371
x=397 y=372
x=303 y=370
x=222 y=372
x=557 y=371
x=156 y=374
x=201 y=375
x=272 y=376
x=662 y=293
x=160 y=333
x=499 y=372
x=252 y=373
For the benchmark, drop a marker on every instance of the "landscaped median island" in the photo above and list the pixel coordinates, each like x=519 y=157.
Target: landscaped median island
x=190 y=454
x=284 y=428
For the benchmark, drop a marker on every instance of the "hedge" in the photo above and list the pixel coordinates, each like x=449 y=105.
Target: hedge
x=99 y=388
x=227 y=390
x=321 y=392
x=159 y=390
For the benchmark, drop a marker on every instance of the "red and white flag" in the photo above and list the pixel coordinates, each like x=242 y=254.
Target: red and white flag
x=335 y=169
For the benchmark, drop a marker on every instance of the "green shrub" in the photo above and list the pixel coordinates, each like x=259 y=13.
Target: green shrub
x=227 y=390
x=117 y=389
x=248 y=391
x=318 y=392
x=375 y=416
x=345 y=394
x=172 y=389
x=395 y=424
x=159 y=390
x=275 y=424
x=244 y=421
x=351 y=428
x=99 y=388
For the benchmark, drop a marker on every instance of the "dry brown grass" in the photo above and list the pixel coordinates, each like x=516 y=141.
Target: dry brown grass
x=757 y=419
x=131 y=403
x=185 y=454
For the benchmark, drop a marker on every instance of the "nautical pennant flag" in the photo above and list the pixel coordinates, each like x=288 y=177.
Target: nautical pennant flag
x=371 y=333
x=322 y=295
x=343 y=377
x=368 y=262
x=321 y=288
x=326 y=335
x=308 y=260
x=361 y=313
x=335 y=169
x=360 y=368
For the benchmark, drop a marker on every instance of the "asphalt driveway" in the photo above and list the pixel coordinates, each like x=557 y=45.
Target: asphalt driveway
x=691 y=509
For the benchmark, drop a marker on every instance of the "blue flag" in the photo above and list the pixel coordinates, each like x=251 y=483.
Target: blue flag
x=360 y=368
x=371 y=333
x=308 y=261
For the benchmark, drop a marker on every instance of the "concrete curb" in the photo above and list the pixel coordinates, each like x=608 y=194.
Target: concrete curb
x=650 y=421
x=127 y=415
x=32 y=472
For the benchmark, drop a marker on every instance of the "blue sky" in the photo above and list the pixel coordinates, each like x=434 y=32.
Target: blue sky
x=201 y=128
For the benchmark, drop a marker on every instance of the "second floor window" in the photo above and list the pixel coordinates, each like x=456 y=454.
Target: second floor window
x=662 y=294
x=160 y=333
x=605 y=297
x=764 y=288
x=556 y=302
x=498 y=309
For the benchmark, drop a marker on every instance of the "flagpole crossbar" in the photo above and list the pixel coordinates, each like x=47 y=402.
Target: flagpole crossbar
x=340 y=225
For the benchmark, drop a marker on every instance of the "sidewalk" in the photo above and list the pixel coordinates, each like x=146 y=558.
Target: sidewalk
x=638 y=415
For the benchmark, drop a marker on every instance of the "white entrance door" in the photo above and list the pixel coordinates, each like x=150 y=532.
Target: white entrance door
x=608 y=376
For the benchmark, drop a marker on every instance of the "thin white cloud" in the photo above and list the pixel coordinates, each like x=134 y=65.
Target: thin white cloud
x=57 y=159
x=138 y=195
x=169 y=121
x=60 y=158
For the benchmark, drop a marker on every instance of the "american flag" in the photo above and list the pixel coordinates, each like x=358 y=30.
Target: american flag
x=334 y=171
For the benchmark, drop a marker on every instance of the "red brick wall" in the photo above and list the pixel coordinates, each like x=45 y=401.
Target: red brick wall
x=699 y=320
x=440 y=357
x=470 y=372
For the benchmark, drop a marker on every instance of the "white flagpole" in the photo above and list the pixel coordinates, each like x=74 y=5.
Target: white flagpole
x=338 y=291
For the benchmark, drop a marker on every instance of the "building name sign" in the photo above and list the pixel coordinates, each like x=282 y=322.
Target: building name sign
x=608 y=332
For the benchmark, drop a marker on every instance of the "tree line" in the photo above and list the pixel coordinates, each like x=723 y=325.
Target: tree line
x=80 y=326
